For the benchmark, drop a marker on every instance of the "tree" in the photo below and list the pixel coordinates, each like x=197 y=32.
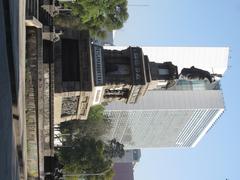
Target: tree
x=96 y=113
x=84 y=155
x=83 y=152
x=95 y=16
x=95 y=126
x=88 y=155
x=114 y=149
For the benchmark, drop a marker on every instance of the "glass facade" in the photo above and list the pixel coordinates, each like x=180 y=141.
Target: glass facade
x=158 y=128
x=183 y=84
x=195 y=126
x=177 y=118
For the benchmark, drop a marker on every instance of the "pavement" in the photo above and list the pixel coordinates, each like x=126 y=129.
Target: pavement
x=12 y=131
x=8 y=161
x=21 y=92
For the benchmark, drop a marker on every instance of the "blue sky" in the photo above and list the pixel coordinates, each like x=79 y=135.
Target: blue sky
x=193 y=23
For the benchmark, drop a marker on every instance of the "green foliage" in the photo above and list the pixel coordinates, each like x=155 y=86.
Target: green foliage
x=95 y=15
x=72 y=178
x=95 y=126
x=96 y=113
x=84 y=155
x=88 y=156
x=114 y=149
x=109 y=175
x=83 y=152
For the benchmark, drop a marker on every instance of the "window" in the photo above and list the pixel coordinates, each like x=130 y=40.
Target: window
x=192 y=85
x=163 y=71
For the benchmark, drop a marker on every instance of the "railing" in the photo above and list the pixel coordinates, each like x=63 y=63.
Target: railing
x=32 y=7
x=46 y=19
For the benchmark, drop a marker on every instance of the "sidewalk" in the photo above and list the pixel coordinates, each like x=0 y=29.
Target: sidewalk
x=12 y=117
x=8 y=160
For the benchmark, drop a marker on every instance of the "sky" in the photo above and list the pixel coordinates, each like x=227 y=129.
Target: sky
x=192 y=23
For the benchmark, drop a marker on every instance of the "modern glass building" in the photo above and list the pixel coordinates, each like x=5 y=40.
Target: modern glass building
x=180 y=115
x=165 y=118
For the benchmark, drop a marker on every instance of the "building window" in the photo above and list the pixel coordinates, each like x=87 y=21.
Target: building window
x=118 y=69
x=163 y=71
x=192 y=85
x=70 y=60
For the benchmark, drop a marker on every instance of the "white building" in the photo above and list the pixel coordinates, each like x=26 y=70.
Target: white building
x=211 y=59
x=165 y=118
x=179 y=117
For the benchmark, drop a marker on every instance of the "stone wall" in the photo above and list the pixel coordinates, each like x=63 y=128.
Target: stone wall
x=31 y=102
x=46 y=105
x=34 y=103
x=48 y=90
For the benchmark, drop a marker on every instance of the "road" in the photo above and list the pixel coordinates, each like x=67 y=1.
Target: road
x=11 y=132
x=8 y=160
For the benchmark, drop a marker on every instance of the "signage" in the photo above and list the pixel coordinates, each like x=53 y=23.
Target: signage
x=98 y=64
x=137 y=60
x=98 y=94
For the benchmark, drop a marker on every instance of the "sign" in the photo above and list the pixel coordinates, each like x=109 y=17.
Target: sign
x=137 y=68
x=98 y=94
x=98 y=65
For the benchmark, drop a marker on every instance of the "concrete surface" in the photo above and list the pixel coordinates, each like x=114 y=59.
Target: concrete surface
x=8 y=159
x=12 y=130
